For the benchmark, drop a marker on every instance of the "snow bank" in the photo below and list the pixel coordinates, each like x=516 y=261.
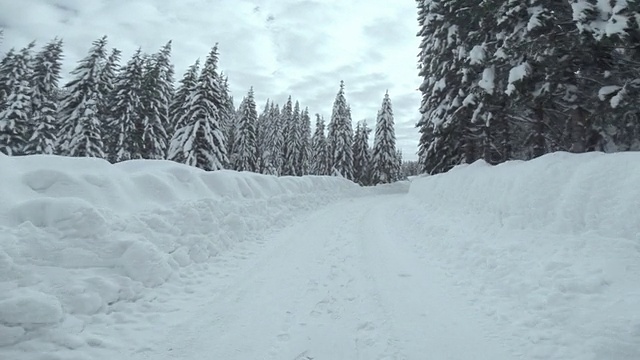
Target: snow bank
x=79 y=237
x=562 y=192
x=550 y=246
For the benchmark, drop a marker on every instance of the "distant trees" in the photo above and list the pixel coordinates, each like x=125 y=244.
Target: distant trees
x=132 y=111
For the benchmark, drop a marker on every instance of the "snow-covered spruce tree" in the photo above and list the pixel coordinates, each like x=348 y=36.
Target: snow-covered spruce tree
x=229 y=116
x=6 y=70
x=397 y=172
x=200 y=141
x=444 y=123
x=609 y=33
x=274 y=142
x=157 y=91
x=319 y=152
x=14 y=118
x=304 y=151
x=261 y=139
x=79 y=116
x=106 y=84
x=232 y=152
x=384 y=145
x=44 y=101
x=340 y=137
x=288 y=138
x=488 y=127
x=246 y=147
x=126 y=119
x=362 y=154
x=294 y=142
x=178 y=107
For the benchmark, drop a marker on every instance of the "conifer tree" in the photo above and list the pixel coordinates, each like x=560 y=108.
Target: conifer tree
x=445 y=125
x=200 y=141
x=294 y=143
x=319 y=151
x=274 y=141
x=384 y=145
x=157 y=91
x=106 y=84
x=288 y=138
x=126 y=120
x=6 y=70
x=397 y=171
x=81 y=123
x=178 y=107
x=14 y=118
x=362 y=154
x=304 y=151
x=229 y=116
x=340 y=137
x=44 y=109
x=246 y=146
x=262 y=129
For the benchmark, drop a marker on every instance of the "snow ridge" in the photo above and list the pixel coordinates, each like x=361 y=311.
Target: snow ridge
x=82 y=239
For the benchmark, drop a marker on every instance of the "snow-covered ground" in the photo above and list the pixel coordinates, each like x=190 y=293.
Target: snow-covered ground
x=154 y=260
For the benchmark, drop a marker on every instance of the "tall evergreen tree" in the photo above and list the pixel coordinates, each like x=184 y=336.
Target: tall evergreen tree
x=200 y=141
x=157 y=91
x=246 y=146
x=384 y=145
x=229 y=116
x=274 y=141
x=340 y=137
x=293 y=146
x=362 y=154
x=319 y=151
x=81 y=123
x=6 y=71
x=288 y=138
x=262 y=129
x=44 y=90
x=178 y=107
x=106 y=83
x=304 y=151
x=444 y=127
x=126 y=120
x=14 y=118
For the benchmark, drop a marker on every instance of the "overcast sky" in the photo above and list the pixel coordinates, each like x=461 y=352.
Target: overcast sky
x=301 y=48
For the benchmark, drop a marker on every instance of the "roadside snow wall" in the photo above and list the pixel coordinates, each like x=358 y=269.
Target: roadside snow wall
x=549 y=247
x=79 y=236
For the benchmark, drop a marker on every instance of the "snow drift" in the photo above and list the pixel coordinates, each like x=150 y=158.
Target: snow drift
x=550 y=246
x=81 y=237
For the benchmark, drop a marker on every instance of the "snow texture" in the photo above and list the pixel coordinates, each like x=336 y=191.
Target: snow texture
x=83 y=239
x=157 y=260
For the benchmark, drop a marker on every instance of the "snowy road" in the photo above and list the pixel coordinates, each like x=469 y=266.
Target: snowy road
x=344 y=283
x=153 y=260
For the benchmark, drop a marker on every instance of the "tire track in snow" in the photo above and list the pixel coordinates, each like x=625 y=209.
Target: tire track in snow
x=337 y=285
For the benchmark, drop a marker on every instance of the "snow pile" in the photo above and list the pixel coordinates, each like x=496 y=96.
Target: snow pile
x=81 y=237
x=550 y=247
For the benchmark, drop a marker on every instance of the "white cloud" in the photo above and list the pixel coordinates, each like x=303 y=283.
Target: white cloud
x=281 y=47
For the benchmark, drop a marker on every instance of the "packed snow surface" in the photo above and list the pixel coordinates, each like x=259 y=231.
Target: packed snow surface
x=155 y=260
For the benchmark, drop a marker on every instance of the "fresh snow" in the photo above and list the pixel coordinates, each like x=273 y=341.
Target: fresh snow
x=488 y=79
x=477 y=55
x=517 y=73
x=156 y=260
